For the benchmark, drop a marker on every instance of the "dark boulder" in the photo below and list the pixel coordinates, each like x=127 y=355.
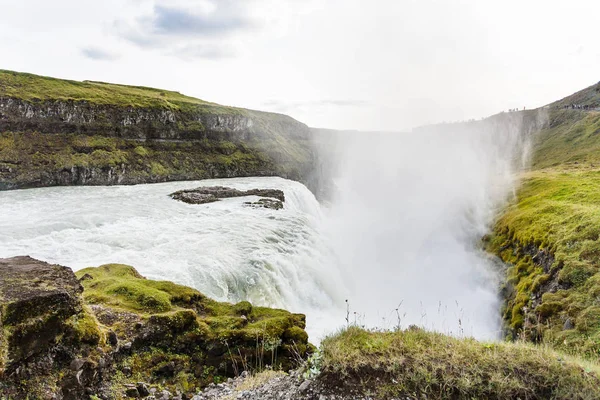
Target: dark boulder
x=37 y=299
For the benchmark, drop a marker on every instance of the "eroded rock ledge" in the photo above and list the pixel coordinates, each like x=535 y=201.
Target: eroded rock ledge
x=109 y=332
x=210 y=194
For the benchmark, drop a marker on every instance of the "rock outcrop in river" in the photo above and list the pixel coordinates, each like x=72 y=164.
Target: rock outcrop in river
x=109 y=332
x=210 y=194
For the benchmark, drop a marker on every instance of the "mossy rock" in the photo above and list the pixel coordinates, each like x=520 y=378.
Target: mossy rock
x=123 y=287
x=37 y=301
x=295 y=334
x=172 y=324
x=84 y=328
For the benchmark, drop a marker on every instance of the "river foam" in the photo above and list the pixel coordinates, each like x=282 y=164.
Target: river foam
x=227 y=251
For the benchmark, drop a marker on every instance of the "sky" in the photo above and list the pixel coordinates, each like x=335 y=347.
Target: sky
x=342 y=64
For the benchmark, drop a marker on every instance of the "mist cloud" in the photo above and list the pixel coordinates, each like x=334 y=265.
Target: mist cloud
x=408 y=216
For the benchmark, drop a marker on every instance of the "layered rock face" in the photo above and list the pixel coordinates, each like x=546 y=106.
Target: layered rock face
x=187 y=138
x=112 y=333
x=194 y=122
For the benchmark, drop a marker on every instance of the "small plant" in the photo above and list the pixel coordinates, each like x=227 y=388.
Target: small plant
x=313 y=365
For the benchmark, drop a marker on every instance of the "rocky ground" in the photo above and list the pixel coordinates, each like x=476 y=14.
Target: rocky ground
x=270 y=385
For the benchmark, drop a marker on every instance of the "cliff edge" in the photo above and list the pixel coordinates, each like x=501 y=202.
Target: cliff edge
x=61 y=132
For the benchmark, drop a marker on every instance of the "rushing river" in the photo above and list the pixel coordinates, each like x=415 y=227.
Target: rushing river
x=230 y=252
x=400 y=240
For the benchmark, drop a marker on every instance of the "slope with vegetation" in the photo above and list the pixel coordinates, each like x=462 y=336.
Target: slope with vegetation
x=417 y=364
x=101 y=332
x=43 y=121
x=550 y=234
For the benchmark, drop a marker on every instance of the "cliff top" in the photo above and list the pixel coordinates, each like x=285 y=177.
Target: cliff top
x=589 y=96
x=31 y=87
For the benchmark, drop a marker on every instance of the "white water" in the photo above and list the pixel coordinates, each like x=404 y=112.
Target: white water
x=403 y=228
x=227 y=251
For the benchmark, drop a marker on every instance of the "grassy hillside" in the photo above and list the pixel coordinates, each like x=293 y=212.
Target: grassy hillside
x=589 y=96
x=550 y=233
x=419 y=364
x=572 y=137
x=35 y=88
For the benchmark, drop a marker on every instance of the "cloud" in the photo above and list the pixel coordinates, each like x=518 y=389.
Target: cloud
x=222 y=20
x=189 y=30
x=96 y=53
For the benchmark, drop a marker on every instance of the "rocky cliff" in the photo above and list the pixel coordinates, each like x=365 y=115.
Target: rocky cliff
x=191 y=138
x=110 y=333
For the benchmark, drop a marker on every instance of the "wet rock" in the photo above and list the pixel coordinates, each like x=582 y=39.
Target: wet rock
x=265 y=203
x=209 y=194
x=125 y=348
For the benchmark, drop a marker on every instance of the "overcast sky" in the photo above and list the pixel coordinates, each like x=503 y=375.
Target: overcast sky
x=346 y=64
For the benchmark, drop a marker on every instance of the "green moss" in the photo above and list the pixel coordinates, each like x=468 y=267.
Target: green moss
x=588 y=319
x=156 y=168
x=420 y=364
x=85 y=328
x=182 y=339
x=557 y=211
x=295 y=334
x=121 y=286
x=141 y=151
x=243 y=308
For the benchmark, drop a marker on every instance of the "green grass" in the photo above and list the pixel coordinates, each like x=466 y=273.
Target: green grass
x=38 y=88
x=556 y=211
x=556 y=214
x=571 y=137
x=421 y=364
